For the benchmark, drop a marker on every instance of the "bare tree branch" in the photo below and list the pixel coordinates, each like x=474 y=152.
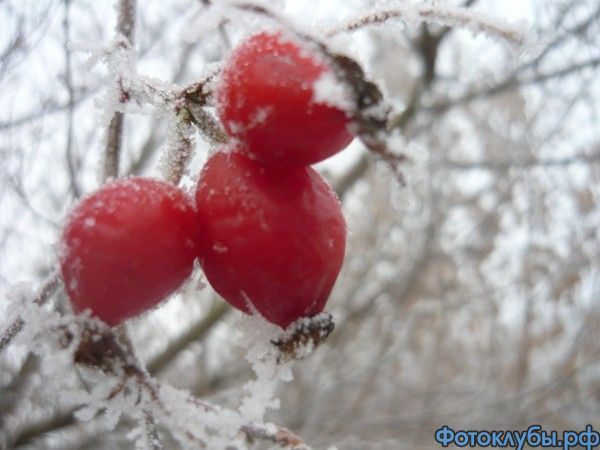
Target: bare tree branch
x=590 y=158
x=194 y=334
x=151 y=431
x=514 y=82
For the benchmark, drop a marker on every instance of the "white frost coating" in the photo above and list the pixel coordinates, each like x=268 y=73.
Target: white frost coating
x=139 y=435
x=259 y=116
x=89 y=222
x=128 y=90
x=432 y=12
x=179 y=151
x=40 y=322
x=330 y=91
x=126 y=87
x=262 y=355
x=192 y=421
x=220 y=248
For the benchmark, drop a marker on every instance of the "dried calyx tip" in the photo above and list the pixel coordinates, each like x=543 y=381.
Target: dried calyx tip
x=304 y=335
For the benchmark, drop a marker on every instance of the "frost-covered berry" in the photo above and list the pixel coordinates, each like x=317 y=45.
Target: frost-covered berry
x=273 y=239
x=127 y=246
x=282 y=101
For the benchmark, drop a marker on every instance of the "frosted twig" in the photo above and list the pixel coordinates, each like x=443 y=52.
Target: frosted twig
x=130 y=389
x=9 y=334
x=110 y=352
x=114 y=137
x=209 y=126
x=180 y=146
x=46 y=291
x=182 y=105
x=149 y=424
x=151 y=431
x=440 y=14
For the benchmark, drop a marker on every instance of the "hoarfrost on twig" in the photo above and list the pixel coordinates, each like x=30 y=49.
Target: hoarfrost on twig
x=440 y=14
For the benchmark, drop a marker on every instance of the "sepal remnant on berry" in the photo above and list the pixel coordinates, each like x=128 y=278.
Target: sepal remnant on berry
x=303 y=336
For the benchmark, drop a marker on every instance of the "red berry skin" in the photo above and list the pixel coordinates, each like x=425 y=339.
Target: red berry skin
x=127 y=246
x=275 y=238
x=265 y=100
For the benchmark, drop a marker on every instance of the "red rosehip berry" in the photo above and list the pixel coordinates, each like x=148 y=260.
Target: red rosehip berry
x=128 y=246
x=281 y=100
x=271 y=238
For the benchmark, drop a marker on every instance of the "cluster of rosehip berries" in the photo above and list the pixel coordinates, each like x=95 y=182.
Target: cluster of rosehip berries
x=266 y=228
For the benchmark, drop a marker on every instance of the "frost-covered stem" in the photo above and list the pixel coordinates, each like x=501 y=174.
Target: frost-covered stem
x=151 y=431
x=207 y=124
x=175 y=160
x=114 y=140
x=435 y=13
x=126 y=19
x=9 y=334
x=149 y=423
x=122 y=333
x=125 y=27
x=48 y=289
x=45 y=292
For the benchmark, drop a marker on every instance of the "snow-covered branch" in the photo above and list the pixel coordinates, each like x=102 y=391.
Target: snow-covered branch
x=123 y=386
x=446 y=15
x=46 y=291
